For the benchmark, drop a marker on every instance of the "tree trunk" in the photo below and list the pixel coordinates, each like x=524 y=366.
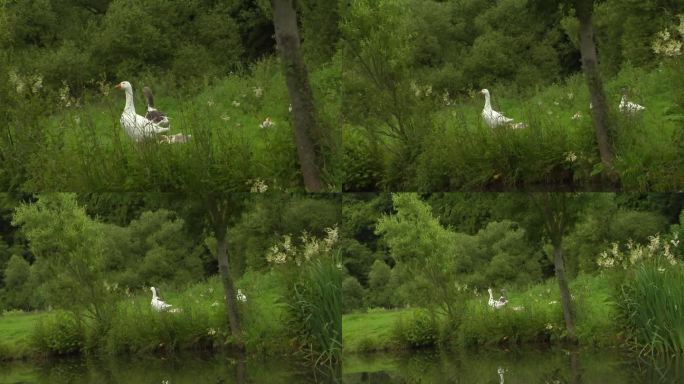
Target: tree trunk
x=296 y=76
x=599 y=110
x=554 y=206
x=218 y=216
x=566 y=300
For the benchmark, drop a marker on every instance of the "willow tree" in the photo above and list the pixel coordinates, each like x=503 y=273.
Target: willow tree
x=299 y=89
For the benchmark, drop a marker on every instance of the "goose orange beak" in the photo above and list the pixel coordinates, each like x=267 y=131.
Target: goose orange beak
x=118 y=86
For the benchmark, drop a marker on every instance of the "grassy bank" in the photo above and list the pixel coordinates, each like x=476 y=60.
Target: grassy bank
x=532 y=317
x=88 y=150
x=458 y=151
x=15 y=331
x=371 y=331
x=136 y=329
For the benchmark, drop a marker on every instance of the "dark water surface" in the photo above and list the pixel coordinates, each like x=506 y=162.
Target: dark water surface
x=528 y=367
x=179 y=370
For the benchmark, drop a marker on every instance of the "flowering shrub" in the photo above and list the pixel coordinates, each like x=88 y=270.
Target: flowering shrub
x=657 y=249
x=310 y=248
x=670 y=44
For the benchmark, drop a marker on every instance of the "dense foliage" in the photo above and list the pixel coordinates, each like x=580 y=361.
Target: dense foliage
x=423 y=68
x=441 y=252
x=94 y=266
x=212 y=67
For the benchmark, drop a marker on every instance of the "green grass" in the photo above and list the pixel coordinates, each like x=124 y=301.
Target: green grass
x=371 y=331
x=461 y=152
x=15 y=334
x=85 y=148
x=538 y=320
x=138 y=330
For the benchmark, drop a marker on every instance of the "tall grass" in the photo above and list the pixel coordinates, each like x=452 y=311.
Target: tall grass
x=315 y=310
x=555 y=151
x=136 y=329
x=653 y=304
x=84 y=147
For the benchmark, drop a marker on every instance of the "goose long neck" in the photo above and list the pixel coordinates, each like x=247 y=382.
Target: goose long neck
x=154 y=293
x=150 y=100
x=130 y=107
x=489 y=290
x=487 y=106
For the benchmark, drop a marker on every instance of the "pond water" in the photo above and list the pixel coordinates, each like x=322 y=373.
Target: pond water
x=179 y=370
x=532 y=366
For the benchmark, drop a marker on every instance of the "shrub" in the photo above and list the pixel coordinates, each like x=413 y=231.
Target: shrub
x=419 y=330
x=59 y=334
x=352 y=294
x=379 y=294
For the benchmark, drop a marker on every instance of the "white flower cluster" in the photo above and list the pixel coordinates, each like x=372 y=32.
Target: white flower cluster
x=258 y=186
x=637 y=253
x=65 y=96
x=419 y=90
x=669 y=44
x=23 y=84
x=258 y=92
x=570 y=157
x=311 y=247
x=268 y=123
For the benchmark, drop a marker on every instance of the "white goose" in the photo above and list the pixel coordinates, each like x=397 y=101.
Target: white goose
x=153 y=114
x=136 y=126
x=493 y=118
x=157 y=304
x=496 y=304
x=628 y=106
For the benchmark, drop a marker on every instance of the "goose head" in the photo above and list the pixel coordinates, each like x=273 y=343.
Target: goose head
x=484 y=92
x=124 y=86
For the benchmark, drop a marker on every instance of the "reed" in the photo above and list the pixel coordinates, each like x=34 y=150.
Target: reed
x=653 y=305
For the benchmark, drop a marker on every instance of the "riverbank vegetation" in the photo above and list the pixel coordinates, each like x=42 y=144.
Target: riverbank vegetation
x=424 y=70
x=78 y=270
x=418 y=269
x=215 y=71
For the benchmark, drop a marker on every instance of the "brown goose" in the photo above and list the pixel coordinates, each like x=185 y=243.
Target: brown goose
x=154 y=115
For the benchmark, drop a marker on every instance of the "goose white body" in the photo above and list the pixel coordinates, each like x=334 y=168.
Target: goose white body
x=496 y=304
x=157 y=304
x=493 y=118
x=136 y=127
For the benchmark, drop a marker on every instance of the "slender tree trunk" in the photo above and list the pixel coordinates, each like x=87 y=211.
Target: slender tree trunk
x=575 y=367
x=599 y=110
x=297 y=78
x=566 y=299
x=218 y=217
x=554 y=206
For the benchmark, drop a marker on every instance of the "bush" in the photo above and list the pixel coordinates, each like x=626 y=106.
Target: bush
x=59 y=334
x=352 y=294
x=419 y=330
x=17 y=291
x=379 y=293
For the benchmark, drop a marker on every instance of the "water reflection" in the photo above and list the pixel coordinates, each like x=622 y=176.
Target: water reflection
x=186 y=369
x=532 y=366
